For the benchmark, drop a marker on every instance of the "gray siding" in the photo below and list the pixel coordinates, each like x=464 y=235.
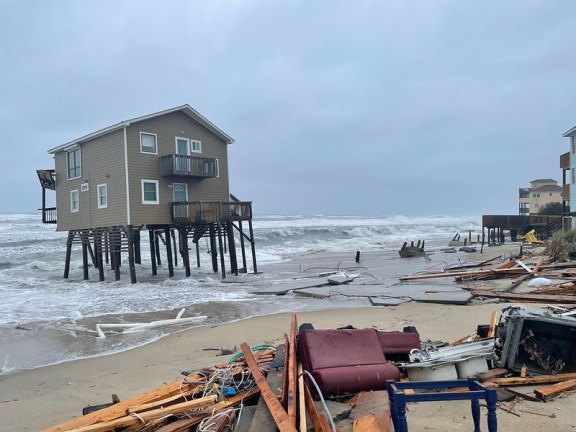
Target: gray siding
x=102 y=162
x=147 y=166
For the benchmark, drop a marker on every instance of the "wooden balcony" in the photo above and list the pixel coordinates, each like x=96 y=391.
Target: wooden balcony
x=188 y=166
x=193 y=212
x=565 y=161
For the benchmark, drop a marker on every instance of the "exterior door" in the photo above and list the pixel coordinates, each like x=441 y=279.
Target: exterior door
x=182 y=156
x=180 y=195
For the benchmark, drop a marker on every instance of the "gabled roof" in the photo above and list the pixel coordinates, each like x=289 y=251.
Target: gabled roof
x=186 y=109
x=547 y=188
x=570 y=132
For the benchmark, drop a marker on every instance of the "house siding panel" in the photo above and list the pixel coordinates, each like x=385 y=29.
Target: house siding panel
x=147 y=166
x=102 y=162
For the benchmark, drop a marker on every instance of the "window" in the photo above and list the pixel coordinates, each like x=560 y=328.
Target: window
x=148 y=143
x=74 y=201
x=150 y=192
x=102 y=192
x=195 y=146
x=573 y=141
x=573 y=176
x=74 y=161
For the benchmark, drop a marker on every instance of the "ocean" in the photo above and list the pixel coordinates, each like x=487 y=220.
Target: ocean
x=45 y=319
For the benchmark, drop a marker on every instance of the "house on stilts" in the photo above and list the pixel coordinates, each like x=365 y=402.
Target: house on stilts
x=165 y=173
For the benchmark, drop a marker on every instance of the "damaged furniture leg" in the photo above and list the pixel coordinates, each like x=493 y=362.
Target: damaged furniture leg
x=475 y=392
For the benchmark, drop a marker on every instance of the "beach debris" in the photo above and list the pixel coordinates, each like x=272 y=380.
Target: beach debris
x=138 y=327
x=412 y=250
x=341 y=278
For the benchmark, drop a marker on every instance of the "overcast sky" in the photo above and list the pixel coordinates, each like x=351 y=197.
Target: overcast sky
x=337 y=107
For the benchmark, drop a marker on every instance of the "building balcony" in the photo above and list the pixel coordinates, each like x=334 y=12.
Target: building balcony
x=566 y=192
x=194 y=212
x=565 y=161
x=175 y=165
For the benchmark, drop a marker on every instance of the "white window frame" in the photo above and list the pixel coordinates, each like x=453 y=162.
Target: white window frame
x=72 y=200
x=99 y=195
x=192 y=143
x=217 y=168
x=144 y=201
x=68 y=163
x=155 y=143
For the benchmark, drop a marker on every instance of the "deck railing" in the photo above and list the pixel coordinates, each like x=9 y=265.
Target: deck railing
x=188 y=166
x=49 y=215
x=190 y=212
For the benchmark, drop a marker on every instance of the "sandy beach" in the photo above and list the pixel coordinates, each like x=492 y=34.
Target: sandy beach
x=39 y=398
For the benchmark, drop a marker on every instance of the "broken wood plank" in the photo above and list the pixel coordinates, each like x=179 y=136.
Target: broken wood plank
x=534 y=380
x=292 y=401
x=372 y=423
x=493 y=373
x=301 y=401
x=539 y=298
x=493 y=323
x=119 y=409
x=548 y=392
x=372 y=406
x=129 y=420
x=318 y=420
x=280 y=416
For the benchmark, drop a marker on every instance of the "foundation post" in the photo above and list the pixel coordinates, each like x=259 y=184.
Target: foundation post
x=151 y=238
x=169 y=252
x=84 y=239
x=68 y=254
x=131 y=258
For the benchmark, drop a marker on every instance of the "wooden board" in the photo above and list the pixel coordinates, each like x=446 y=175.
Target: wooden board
x=534 y=380
x=548 y=392
x=292 y=401
x=301 y=400
x=318 y=420
x=280 y=416
x=540 y=298
x=119 y=409
x=371 y=412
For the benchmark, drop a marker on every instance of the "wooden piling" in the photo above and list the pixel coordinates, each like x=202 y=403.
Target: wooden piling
x=131 y=258
x=169 y=252
x=68 y=254
x=152 y=238
x=84 y=240
x=253 y=246
x=232 y=248
x=221 y=249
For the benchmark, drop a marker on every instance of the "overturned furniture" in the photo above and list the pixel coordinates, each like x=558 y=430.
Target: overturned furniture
x=542 y=342
x=345 y=361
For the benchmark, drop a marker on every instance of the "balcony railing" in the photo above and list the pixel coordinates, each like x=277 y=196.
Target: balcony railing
x=49 y=215
x=188 y=166
x=191 y=212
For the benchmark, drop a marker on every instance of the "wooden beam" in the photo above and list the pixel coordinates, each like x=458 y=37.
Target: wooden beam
x=301 y=400
x=318 y=420
x=278 y=414
x=493 y=322
x=543 y=379
x=540 y=298
x=147 y=415
x=119 y=409
x=548 y=392
x=292 y=371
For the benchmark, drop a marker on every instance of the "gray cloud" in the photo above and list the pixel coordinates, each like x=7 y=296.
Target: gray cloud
x=366 y=107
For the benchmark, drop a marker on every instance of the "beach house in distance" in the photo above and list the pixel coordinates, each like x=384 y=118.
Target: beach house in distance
x=540 y=193
x=165 y=173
